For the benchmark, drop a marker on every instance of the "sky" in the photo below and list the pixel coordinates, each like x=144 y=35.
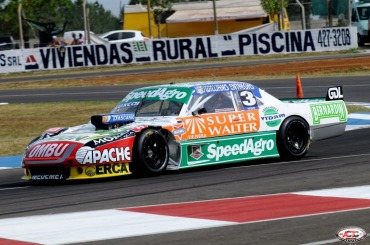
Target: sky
x=112 y=5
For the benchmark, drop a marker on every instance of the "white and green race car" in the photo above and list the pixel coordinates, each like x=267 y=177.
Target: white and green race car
x=177 y=126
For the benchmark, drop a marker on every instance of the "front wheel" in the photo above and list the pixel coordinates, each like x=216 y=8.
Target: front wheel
x=150 y=153
x=293 y=138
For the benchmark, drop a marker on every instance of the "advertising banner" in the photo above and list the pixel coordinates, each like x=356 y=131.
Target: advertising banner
x=172 y=49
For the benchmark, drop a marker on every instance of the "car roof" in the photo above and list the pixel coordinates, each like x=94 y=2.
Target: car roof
x=116 y=31
x=214 y=85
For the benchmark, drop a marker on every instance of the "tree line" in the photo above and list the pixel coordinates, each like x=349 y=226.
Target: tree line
x=70 y=14
x=60 y=12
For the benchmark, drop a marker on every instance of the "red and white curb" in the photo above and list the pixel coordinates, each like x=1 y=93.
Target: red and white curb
x=138 y=221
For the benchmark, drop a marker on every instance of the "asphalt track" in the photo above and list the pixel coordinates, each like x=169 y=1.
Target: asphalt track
x=356 y=89
x=334 y=163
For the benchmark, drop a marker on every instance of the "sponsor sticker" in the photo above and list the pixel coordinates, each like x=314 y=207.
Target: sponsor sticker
x=99 y=171
x=351 y=234
x=272 y=117
x=335 y=93
x=231 y=149
x=46 y=150
x=106 y=169
x=97 y=142
x=212 y=125
x=225 y=87
x=248 y=146
x=88 y=155
x=328 y=110
x=162 y=93
x=196 y=152
x=48 y=177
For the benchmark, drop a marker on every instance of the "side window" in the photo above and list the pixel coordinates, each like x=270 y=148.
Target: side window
x=126 y=35
x=219 y=102
x=113 y=37
x=212 y=103
x=171 y=108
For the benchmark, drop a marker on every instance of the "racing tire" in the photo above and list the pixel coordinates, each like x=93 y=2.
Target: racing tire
x=293 y=138
x=151 y=153
x=360 y=40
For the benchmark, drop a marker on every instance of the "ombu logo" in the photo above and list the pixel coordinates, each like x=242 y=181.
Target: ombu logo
x=221 y=124
x=88 y=155
x=48 y=150
x=351 y=234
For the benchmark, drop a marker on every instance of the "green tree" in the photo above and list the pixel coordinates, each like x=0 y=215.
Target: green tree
x=273 y=7
x=153 y=2
x=58 y=11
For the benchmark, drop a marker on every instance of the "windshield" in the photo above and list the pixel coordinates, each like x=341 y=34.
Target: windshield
x=154 y=101
x=363 y=13
x=150 y=108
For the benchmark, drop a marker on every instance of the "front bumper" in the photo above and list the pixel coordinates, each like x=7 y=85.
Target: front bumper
x=60 y=172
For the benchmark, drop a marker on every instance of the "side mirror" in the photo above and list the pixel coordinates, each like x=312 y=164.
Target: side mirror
x=199 y=112
x=202 y=111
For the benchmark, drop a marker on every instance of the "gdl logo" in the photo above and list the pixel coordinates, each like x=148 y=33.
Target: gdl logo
x=335 y=93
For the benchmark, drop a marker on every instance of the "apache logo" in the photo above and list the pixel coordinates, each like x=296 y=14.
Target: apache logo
x=88 y=155
x=49 y=150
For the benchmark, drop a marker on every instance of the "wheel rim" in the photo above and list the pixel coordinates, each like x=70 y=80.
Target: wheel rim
x=297 y=137
x=155 y=152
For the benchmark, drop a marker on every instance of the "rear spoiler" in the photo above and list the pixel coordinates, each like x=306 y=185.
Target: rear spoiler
x=334 y=93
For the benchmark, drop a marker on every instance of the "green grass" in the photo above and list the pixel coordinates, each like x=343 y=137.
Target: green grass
x=356 y=108
x=20 y=123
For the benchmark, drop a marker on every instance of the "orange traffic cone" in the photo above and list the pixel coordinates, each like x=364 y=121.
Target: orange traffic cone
x=299 y=87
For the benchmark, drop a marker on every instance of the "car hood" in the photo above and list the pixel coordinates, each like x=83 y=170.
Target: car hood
x=87 y=132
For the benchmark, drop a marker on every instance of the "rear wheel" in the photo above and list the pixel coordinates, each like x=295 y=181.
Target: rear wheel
x=150 y=153
x=293 y=138
x=360 y=40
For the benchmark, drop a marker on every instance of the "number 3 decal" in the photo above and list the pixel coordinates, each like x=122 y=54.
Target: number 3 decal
x=247 y=98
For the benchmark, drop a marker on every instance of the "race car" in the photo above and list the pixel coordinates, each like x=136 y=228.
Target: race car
x=185 y=125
